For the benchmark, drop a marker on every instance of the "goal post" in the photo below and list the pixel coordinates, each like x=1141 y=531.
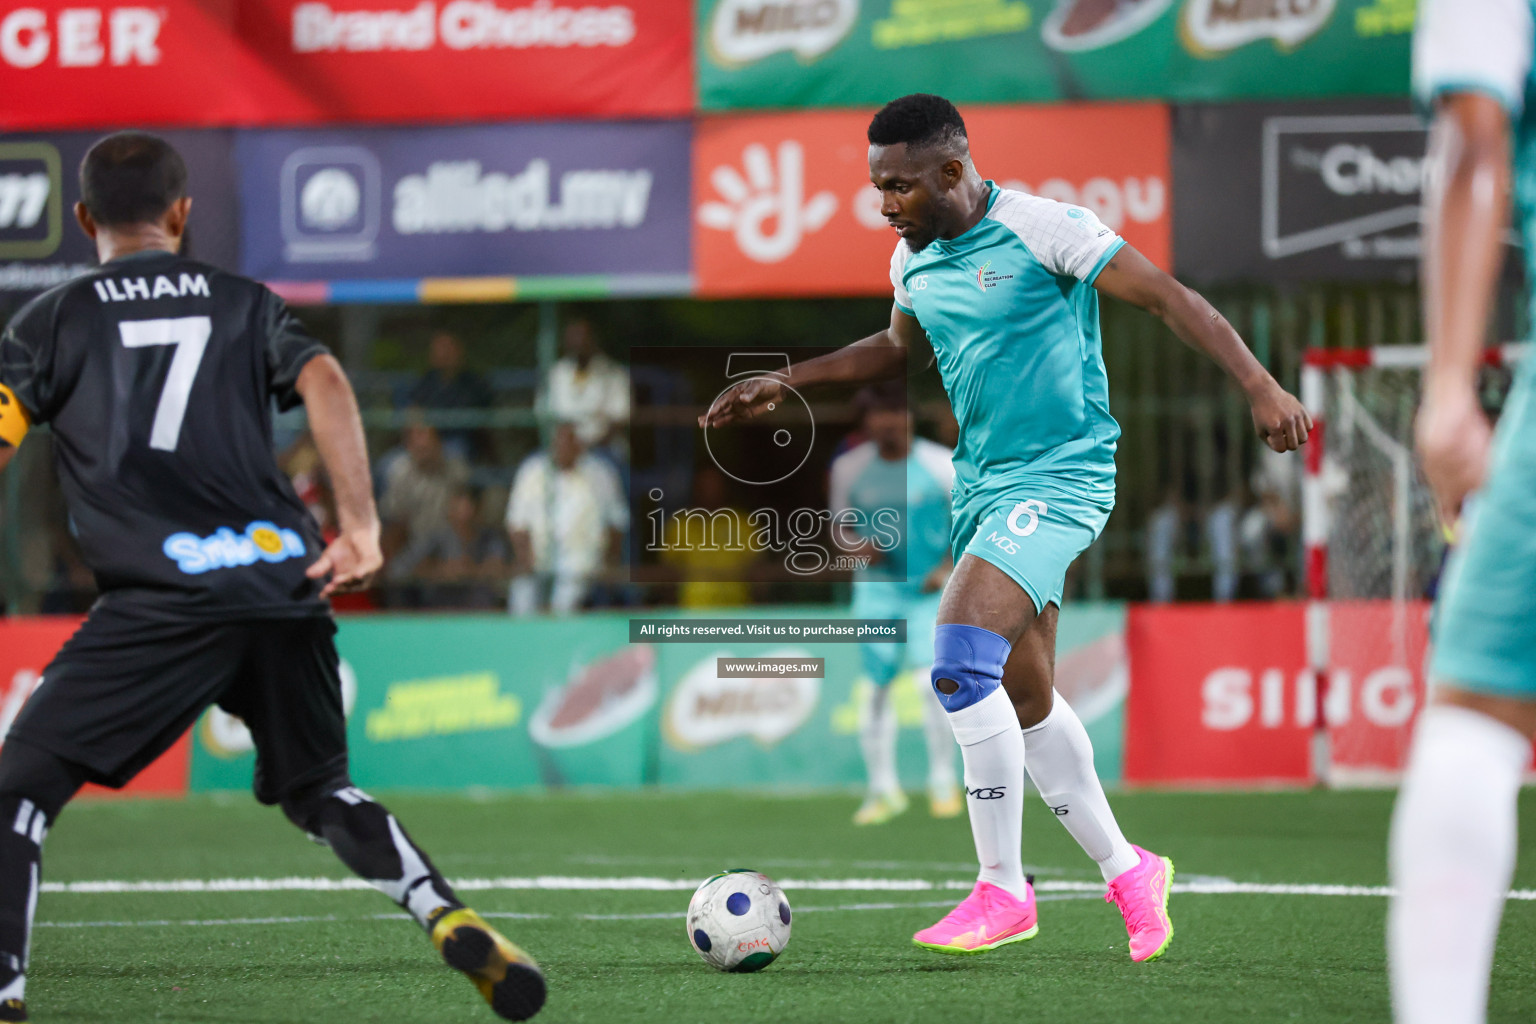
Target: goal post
x=1373 y=549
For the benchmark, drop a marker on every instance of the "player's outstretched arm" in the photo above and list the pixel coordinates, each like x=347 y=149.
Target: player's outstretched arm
x=354 y=556
x=1280 y=419
x=878 y=357
x=1466 y=207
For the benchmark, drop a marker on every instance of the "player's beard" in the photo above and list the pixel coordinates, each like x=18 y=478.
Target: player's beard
x=922 y=241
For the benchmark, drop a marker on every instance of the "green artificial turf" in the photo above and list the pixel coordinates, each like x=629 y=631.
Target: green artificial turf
x=101 y=957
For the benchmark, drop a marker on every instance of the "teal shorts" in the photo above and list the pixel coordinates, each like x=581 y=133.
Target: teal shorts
x=1033 y=535
x=881 y=600
x=1485 y=623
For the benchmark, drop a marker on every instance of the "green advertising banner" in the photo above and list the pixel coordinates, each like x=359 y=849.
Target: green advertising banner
x=459 y=702
x=765 y=54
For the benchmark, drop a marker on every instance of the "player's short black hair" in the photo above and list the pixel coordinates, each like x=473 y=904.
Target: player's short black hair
x=921 y=119
x=886 y=396
x=131 y=178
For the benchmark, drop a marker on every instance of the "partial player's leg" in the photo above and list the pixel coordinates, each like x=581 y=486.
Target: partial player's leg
x=289 y=693
x=983 y=612
x=34 y=787
x=1058 y=754
x=1453 y=853
x=119 y=693
x=369 y=840
x=1059 y=758
x=883 y=798
x=993 y=670
x=945 y=799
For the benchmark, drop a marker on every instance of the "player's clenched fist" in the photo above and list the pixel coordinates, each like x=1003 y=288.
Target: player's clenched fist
x=744 y=401
x=1280 y=418
x=1453 y=436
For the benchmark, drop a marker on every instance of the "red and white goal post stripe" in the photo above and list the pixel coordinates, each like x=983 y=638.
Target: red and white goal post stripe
x=1368 y=536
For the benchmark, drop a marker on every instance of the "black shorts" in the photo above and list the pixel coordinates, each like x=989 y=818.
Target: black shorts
x=124 y=689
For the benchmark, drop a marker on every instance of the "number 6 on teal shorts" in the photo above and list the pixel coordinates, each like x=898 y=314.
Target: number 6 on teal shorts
x=1031 y=538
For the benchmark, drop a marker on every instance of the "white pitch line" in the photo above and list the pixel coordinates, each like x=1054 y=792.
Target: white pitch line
x=566 y=883
x=679 y=914
x=551 y=883
x=328 y=918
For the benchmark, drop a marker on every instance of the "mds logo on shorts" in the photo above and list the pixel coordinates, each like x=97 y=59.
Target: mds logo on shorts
x=31 y=200
x=226 y=549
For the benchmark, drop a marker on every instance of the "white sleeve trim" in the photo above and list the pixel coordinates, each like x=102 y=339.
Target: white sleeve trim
x=1067 y=240
x=1473 y=46
x=898 y=265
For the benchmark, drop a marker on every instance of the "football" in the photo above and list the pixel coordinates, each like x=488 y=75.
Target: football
x=738 y=921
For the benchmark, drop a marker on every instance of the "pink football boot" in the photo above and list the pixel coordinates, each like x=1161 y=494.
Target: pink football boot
x=989 y=917
x=1142 y=896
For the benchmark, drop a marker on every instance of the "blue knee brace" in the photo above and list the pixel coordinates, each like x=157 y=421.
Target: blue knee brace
x=971 y=656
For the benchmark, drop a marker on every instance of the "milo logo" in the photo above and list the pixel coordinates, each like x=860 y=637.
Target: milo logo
x=1214 y=26
x=742 y=31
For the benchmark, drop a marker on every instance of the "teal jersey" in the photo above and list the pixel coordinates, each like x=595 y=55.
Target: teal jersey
x=901 y=502
x=1010 y=309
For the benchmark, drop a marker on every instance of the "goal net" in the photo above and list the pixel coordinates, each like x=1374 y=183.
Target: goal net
x=1374 y=550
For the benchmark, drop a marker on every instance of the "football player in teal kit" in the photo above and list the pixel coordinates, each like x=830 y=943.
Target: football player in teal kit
x=1005 y=285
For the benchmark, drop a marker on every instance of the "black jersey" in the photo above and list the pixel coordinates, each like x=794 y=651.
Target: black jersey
x=158 y=375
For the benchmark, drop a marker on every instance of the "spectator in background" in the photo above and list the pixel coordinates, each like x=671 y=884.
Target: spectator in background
x=462 y=564
x=1222 y=523
x=1269 y=530
x=1177 y=529
x=449 y=384
x=566 y=520
x=1165 y=541
x=590 y=391
x=301 y=462
x=418 y=487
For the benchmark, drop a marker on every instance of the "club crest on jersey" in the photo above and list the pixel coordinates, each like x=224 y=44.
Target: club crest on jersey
x=226 y=549
x=987 y=278
x=130 y=289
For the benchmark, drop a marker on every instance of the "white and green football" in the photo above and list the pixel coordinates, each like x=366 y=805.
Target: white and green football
x=738 y=921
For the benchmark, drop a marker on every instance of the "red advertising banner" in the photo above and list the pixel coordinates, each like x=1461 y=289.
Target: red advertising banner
x=1223 y=692
x=26 y=647
x=67 y=64
x=1219 y=693
x=783 y=205
x=1375 y=685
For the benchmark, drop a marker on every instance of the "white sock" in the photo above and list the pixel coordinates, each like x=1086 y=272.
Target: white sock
x=877 y=739
x=993 y=751
x=941 y=740
x=1060 y=762
x=1452 y=858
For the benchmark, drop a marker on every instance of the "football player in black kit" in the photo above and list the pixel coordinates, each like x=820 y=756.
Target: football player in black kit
x=157 y=375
